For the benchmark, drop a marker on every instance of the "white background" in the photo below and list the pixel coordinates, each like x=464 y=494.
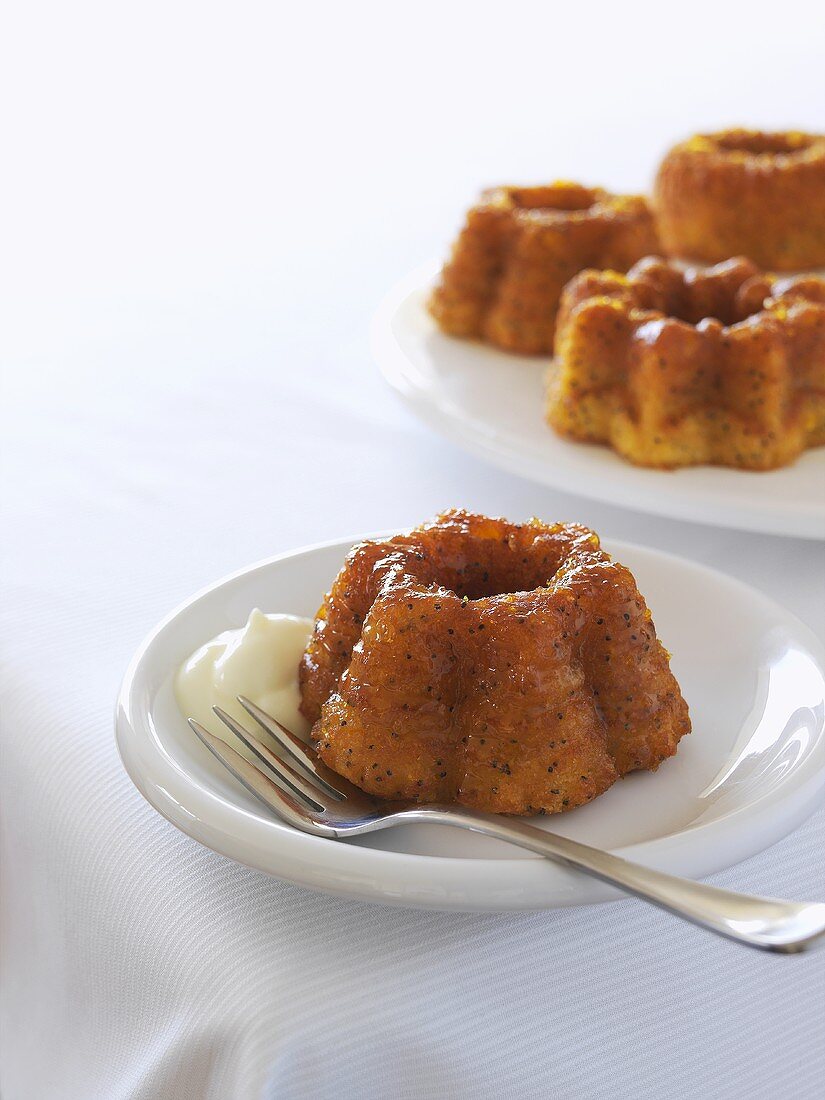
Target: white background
x=202 y=205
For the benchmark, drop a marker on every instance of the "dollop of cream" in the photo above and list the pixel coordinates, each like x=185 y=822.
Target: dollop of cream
x=259 y=661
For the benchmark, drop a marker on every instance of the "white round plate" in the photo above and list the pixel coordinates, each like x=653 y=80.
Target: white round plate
x=491 y=403
x=750 y=772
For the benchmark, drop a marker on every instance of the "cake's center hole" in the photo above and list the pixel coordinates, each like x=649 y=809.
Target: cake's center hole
x=499 y=570
x=727 y=293
x=763 y=143
x=563 y=197
x=709 y=303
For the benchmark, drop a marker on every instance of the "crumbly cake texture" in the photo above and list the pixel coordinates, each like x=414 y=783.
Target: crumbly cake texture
x=510 y=667
x=744 y=192
x=678 y=367
x=518 y=248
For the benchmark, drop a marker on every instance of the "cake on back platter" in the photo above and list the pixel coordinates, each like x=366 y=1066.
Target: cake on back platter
x=748 y=193
x=510 y=667
x=676 y=367
x=518 y=248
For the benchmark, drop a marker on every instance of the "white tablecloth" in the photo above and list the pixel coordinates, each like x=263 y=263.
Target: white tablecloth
x=211 y=204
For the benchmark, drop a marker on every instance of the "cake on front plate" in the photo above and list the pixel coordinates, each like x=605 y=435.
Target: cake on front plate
x=676 y=367
x=518 y=248
x=748 y=193
x=510 y=667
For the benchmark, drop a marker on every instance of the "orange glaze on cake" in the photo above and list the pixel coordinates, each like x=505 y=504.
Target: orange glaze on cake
x=745 y=193
x=518 y=248
x=675 y=367
x=510 y=667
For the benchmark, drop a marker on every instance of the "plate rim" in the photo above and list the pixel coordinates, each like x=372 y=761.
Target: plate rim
x=354 y=879
x=399 y=372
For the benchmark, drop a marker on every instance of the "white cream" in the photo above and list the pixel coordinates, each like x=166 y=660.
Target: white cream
x=259 y=661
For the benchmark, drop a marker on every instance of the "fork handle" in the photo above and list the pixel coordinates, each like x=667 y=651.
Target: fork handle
x=767 y=923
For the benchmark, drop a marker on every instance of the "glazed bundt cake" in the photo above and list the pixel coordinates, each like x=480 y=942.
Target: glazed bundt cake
x=519 y=247
x=675 y=367
x=510 y=667
x=742 y=192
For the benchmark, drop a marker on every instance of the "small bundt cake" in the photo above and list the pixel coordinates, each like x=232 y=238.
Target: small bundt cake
x=676 y=367
x=518 y=248
x=509 y=667
x=742 y=192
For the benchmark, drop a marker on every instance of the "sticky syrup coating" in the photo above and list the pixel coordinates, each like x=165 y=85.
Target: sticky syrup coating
x=745 y=192
x=518 y=248
x=509 y=667
x=678 y=367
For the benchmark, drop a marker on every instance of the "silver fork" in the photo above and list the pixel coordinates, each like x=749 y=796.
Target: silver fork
x=309 y=796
